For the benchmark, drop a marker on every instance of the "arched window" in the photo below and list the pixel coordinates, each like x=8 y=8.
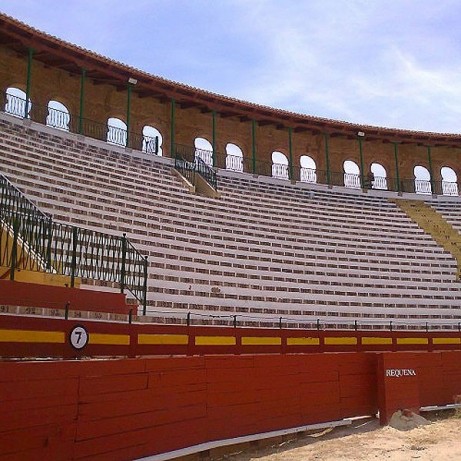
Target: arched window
x=422 y=180
x=58 y=116
x=234 y=157
x=151 y=140
x=308 y=169
x=351 y=175
x=279 y=165
x=116 y=131
x=15 y=103
x=379 y=177
x=449 y=181
x=204 y=150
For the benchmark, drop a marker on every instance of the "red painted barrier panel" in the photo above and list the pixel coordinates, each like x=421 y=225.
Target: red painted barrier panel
x=123 y=409
x=54 y=297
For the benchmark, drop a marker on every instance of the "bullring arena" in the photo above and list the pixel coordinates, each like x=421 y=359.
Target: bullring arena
x=182 y=271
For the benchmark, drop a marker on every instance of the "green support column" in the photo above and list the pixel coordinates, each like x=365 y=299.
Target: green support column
x=290 y=151
x=253 y=144
x=429 y=159
x=82 y=101
x=172 y=128
x=28 y=81
x=362 y=176
x=213 y=140
x=326 y=138
x=397 y=173
x=128 y=113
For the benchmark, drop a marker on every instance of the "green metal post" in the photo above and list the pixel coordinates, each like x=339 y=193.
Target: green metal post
x=14 y=248
x=397 y=173
x=73 y=267
x=28 y=81
x=144 y=304
x=213 y=140
x=128 y=114
x=253 y=145
x=172 y=128
x=82 y=101
x=429 y=159
x=123 y=268
x=327 y=157
x=49 y=231
x=290 y=151
x=362 y=175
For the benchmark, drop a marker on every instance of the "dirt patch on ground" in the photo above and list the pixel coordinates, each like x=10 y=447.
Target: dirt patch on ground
x=367 y=441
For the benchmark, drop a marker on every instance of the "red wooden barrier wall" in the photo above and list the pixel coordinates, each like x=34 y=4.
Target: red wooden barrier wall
x=129 y=408
x=124 y=409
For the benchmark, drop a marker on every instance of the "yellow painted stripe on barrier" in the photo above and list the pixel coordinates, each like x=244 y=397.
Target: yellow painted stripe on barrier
x=373 y=340
x=340 y=341
x=446 y=340
x=106 y=338
x=412 y=341
x=215 y=341
x=32 y=336
x=158 y=339
x=303 y=341
x=261 y=341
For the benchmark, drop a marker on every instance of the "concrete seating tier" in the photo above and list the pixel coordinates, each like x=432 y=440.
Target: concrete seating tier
x=265 y=249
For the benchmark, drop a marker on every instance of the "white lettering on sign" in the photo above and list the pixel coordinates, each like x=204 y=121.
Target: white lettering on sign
x=399 y=372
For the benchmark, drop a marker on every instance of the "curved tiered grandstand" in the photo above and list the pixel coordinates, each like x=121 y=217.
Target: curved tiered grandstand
x=226 y=249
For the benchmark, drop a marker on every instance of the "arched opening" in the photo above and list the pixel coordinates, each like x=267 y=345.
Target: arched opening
x=308 y=171
x=422 y=180
x=279 y=165
x=378 y=179
x=116 y=131
x=234 y=157
x=204 y=150
x=151 y=140
x=449 y=181
x=58 y=116
x=351 y=175
x=15 y=103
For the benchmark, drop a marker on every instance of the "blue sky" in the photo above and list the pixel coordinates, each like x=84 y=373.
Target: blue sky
x=393 y=63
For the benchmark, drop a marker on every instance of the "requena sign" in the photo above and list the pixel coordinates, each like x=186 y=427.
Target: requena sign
x=400 y=372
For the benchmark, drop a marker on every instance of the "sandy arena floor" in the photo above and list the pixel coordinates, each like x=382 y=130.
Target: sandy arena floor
x=367 y=441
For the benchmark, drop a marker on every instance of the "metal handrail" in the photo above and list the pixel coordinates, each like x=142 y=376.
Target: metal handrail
x=68 y=122
x=190 y=161
x=31 y=240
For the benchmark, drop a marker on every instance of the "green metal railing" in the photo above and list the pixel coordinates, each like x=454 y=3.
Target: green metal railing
x=190 y=161
x=65 y=121
x=31 y=240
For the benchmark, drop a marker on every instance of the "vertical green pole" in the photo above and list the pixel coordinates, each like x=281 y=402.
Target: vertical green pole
x=82 y=101
x=128 y=114
x=73 y=266
x=397 y=173
x=362 y=176
x=28 y=81
x=172 y=128
x=123 y=265
x=253 y=144
x=213 y=137
x=327 y=157
x=14 y=248
x=290 y=151
x=144 y=303
x=429 y=159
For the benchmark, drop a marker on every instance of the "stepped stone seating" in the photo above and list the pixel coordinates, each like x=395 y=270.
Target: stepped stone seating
x=265 y=249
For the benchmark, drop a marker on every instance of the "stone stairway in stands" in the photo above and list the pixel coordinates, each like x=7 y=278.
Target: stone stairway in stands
x=434 y=224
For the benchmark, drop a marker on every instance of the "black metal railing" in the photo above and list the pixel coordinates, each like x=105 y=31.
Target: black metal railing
x=65 y=121
x=31 y=240
x=190 y=161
